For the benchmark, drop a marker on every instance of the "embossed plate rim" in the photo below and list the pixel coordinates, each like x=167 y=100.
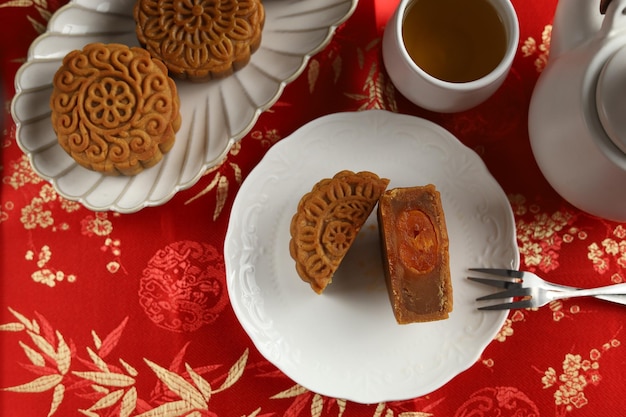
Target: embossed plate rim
x=351 y=346
x=174 y=173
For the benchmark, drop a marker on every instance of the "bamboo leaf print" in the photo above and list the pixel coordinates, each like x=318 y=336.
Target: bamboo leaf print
x=112 y=339
x=63 y=355
x=173 y=409
x=97 y=360
x=337 y=67
x=27 y=323
x=108 y=379
x=45 y=14
x=313 y=74
x=17 y=3
x=342 y=406
x=291 y=392
x=221 y=195
x=130 y=369
x=129 y=403
x=57 y=398
x=235 y=372
x=203 y=385
x=12 y=327
x=41 y=384
x=379 y=409
x=35 y=357
x=255 y=412
x=97 y=342
x=107 y=401
x=237 y=171
x=317 y=405
x=39 y=27
x=43 y=344
x=179 y=386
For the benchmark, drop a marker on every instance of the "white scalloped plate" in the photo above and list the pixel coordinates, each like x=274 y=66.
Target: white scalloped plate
x=346 y=343
x=215 y=114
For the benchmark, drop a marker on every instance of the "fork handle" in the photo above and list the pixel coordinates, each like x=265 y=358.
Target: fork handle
x=615 y=289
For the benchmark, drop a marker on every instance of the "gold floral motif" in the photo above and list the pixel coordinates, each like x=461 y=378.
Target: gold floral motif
x=45 y=274
x=98 y=225
x=577 y=374
x=612 y=248
x=540 y=239
x=22 y=173
x=184 y=390
x=267 y=138
x=540 y=51
x=5 y=209
x=505 y=331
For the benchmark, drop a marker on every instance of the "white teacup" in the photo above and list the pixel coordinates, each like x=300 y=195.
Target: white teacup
x=443 y=85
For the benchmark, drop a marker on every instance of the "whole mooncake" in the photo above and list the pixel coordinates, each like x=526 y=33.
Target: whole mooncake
x=327 y=222
x=114 y=108
x=201 y=39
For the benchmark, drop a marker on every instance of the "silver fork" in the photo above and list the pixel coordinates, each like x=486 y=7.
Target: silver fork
x=541 y=292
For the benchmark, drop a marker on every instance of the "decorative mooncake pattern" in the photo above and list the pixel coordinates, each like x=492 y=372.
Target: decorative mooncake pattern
x=200 y=39
x=114 y=109
x=327 y=222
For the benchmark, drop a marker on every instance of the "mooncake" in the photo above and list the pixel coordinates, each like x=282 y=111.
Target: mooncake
x=203 y=39
x=327 y=221
x=415 y=252
x=114 y=108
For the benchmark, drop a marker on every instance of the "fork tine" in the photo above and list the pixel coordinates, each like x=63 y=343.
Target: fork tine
x=513 y=292
x=509 y=306
x=500 y=271
x=499 y=283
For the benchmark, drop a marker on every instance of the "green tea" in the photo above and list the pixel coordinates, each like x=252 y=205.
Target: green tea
x=454 y=40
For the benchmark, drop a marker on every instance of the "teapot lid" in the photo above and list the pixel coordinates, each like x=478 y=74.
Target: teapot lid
x=611 y=98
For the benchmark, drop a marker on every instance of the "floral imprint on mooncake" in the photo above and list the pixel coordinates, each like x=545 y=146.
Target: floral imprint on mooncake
x=114 y=108
x=327 y=222
x=183 y=286
x=200 y=39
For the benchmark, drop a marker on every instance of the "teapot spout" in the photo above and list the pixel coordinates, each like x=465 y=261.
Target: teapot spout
x=575 y=21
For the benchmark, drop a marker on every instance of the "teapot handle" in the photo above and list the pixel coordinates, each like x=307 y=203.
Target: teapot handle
x=615 y=15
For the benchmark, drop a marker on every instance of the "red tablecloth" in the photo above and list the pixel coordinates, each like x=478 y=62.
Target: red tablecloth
x=76 y=339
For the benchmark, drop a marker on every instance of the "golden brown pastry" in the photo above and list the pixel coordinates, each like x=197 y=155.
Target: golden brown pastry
x=114 y=108
x=202 y=39
x=327 y=221
x=415 y=254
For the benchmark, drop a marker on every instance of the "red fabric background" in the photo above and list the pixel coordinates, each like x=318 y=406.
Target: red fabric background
x=565 y=359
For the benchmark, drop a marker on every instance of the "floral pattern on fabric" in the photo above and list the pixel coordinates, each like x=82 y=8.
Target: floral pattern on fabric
x=125 y=315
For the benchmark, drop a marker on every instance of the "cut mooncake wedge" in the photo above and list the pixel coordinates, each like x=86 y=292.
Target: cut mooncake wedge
x=415 y=251
x=327 y=222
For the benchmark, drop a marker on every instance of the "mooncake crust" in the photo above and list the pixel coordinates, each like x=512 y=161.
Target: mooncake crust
x=114 y=108
x=202 y=39
x=327 y=221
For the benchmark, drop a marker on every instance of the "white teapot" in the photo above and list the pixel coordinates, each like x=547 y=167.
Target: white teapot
x=577 y=114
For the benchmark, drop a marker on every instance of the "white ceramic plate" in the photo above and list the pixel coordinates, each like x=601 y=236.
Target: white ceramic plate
x=346 y=343
x=215 y=114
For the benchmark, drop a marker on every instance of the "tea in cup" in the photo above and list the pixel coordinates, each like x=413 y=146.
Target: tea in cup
x=450 y=55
